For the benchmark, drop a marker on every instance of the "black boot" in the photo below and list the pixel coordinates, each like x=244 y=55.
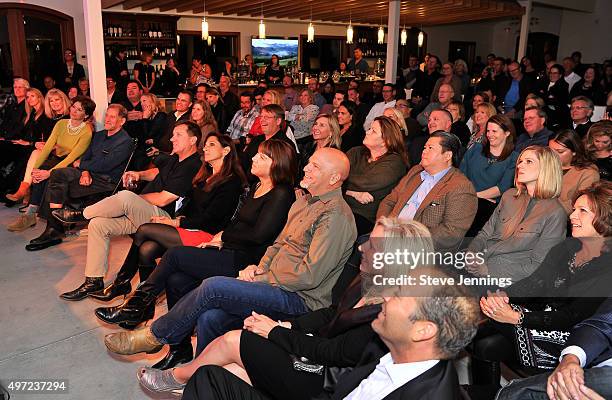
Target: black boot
x=121 y=285
x=90 y=285
x=136 y=309
x=179 y=354
x=50 y=237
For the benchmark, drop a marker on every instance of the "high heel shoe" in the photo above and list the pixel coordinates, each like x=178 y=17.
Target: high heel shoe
x=128 y=343
x=136 y=309
x=113 y=290
x=158 y=381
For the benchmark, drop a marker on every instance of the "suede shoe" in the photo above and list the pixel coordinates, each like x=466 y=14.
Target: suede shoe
x=22 y=223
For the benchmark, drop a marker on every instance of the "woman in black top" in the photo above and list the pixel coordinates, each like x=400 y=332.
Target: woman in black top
x=590 y=87
x=570 y=284
x=599 y=147
x=274 y=71
x=555 y=92
x=352 y=134
x=216 y=189
x=145 y=73
x=243 y=242
x=459 y=128
x=153 y=127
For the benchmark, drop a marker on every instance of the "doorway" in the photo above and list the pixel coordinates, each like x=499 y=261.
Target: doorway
x=462 y=50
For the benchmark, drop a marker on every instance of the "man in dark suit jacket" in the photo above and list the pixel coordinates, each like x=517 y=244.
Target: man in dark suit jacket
x=410 y=359
x=435 y=193
x=71 y=71
x=585 y=370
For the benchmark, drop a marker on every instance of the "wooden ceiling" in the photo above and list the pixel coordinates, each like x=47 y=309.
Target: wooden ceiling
x=413 y=12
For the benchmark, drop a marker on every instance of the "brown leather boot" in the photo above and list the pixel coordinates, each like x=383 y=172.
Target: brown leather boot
x=24 y=189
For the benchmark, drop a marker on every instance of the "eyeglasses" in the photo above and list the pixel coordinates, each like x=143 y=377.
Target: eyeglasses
x=76 y=108
x=579 y=108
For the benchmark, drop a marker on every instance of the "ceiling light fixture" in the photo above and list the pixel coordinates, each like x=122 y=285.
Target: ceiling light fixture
x=311 y=31
x=204 y=24
x=262 y=26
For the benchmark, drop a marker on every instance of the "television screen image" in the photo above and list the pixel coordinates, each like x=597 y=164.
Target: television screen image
x=285 y=49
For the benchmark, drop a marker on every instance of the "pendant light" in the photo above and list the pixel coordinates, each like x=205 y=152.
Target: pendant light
x=404 y=36
x=311 y=31
x=349 y=31
x=204 y=24
x=421 y=38
x=262 y=26
x=381 y=33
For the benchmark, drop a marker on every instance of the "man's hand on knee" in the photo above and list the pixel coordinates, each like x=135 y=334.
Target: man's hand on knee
x=566 y=379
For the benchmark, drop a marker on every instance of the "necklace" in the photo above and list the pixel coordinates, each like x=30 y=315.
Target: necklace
x=576 y=266
x=75 y=130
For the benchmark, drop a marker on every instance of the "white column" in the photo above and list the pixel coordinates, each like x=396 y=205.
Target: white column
x=96 y=65
x=524 y=35
x=392 y=41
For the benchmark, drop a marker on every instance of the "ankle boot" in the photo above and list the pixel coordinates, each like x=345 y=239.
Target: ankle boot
x=144 y=271
x=136 y=309
x=179 y=354
x=121 y=285
x=24 y=189
x=90 y=285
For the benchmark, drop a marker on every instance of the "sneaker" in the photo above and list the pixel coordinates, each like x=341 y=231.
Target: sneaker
x=22 y=223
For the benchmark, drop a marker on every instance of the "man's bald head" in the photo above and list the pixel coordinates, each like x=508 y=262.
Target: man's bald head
x=326 y=170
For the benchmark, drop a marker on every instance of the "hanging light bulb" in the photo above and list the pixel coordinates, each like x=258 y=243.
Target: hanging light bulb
x=404 y=37
x=262 y=26
x=310 y=33
x=178 y=39
x=204 y=25
x=349 y=34
x=421 y=38
x=381 y=35
x=209 y=40
x=310 y=28
x=204 y=29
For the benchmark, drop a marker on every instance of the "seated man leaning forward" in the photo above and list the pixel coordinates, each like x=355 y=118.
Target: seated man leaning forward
x=124 y=212
x=295 y=275
x=435 y=193
x=410 y=359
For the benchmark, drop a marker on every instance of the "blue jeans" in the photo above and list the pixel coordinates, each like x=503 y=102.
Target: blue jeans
x=221 y=304
x=534 y=387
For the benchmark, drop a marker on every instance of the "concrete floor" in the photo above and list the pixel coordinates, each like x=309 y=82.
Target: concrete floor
x=43 y=337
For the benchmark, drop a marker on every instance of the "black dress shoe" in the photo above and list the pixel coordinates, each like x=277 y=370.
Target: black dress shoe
x=113 y=290
x=50 y=237
x=178 y=354
x=68 y=216
x=136 y=309
x=90 y=285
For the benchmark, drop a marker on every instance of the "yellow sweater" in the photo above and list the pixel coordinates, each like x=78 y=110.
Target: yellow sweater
x=69 y=145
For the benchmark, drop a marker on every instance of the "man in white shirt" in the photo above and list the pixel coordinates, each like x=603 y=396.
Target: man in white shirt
x=570 y=76
x=388 y=93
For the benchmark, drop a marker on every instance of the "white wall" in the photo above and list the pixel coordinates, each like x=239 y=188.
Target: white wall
x=439 y=36
x=587 y=32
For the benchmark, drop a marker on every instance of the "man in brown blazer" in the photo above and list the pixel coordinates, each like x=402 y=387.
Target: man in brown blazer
x=435 y=193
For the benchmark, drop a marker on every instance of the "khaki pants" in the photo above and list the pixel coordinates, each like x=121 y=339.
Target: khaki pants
x=120 y=214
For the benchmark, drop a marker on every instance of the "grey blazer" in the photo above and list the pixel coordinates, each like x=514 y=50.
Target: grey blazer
x=542 y=227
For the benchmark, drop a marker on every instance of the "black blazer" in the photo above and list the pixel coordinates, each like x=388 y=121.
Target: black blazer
x=78 y=72
x=594 y=335
x=163 y=143
x=526 y=86
x=438 y=383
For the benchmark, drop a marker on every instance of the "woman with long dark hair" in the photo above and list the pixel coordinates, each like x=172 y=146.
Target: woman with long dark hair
x=244 y=241
x=351 y=132
x=578 y=171
x=274 y=71
x=216 y=189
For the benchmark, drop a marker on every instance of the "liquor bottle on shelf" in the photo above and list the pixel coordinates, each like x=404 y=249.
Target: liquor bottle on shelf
x=119 y=31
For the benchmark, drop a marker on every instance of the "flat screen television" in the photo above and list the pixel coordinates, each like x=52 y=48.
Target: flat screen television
x=285 y=49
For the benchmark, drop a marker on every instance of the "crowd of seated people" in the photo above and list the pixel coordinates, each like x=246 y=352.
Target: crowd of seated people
x=257 y=214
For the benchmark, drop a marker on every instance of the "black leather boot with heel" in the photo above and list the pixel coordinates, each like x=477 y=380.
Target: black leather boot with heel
x=136 y=309
x=121 y=286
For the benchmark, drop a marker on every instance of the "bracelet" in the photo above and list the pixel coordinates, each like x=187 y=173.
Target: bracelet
x=519 y=309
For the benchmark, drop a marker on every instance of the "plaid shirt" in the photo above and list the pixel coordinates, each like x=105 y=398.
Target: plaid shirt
x=241 y=124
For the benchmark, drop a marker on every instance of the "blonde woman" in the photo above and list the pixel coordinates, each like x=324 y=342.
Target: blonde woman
x=202 y=115
x=528 y=221
x=69 y=139
x=302 y=116
x=481 y=115
x=153 y=119
x=599 y=147
x=37 y=128
x=325 y=133
x=397 y=116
